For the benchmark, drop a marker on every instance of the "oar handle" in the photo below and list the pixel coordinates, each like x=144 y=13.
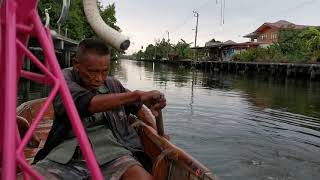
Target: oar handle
x=159 y=122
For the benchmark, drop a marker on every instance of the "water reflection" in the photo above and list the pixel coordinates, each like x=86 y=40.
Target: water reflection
x=242 y=127
x=29 y=90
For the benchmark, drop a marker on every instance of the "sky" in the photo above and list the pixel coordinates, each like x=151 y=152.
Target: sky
x=145 y=21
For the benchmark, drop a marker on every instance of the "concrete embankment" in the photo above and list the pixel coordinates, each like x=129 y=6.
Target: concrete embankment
x=294 y=70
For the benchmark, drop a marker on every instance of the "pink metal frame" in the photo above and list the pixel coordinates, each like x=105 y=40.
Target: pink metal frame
x=19 y=20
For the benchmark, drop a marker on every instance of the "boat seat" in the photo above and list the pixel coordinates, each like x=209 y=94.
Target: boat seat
x=26 y=113
x=23 y=126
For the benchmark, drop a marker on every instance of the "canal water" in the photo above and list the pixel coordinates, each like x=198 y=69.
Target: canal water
x=246 y=127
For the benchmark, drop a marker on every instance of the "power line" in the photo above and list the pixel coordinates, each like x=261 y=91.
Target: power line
x=189 y=17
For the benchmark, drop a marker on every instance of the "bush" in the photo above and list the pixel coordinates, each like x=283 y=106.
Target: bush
x=294 y=46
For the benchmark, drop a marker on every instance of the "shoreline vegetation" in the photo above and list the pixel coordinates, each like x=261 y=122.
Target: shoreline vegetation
x=300 y=46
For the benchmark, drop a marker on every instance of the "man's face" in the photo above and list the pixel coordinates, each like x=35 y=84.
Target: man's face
x=93 y=70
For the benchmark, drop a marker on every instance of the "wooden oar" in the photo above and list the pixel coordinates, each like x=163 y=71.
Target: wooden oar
x=159 y=123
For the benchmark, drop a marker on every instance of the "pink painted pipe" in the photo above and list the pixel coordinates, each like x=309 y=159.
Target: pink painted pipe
x=10 y=91
x=10 y=71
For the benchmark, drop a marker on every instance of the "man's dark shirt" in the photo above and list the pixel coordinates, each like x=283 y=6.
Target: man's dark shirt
x=115 y=120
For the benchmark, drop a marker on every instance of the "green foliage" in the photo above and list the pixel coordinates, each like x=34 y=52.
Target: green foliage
x=77 y=24
x=269 y=54
x=108 y=14
x=294 y=45
x=163 y=49
x=139 y=55
x=150 y=52
x=182 y=49
x=312 y=37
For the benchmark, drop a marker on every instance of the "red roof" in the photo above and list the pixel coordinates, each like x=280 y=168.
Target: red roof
x=278 y=24
x=285 y=24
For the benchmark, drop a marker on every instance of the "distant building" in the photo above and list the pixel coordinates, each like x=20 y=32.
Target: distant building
x=268 y=33
x=264 y=36
x=223 y=51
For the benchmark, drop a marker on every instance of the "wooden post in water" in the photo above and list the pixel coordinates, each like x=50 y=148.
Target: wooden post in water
x=312 y=73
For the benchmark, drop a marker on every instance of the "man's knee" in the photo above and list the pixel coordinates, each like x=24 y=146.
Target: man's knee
x=136 y=172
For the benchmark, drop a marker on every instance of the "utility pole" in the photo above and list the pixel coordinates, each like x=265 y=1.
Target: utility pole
x=155 y=49
x=196 y=14
x=168 y=45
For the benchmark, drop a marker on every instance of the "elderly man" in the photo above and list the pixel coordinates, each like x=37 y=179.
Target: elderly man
x=103 y=105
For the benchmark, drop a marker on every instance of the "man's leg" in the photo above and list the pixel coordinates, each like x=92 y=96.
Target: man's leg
x=136 y=172
x=144 y=159
x=124 y=167
x=75 y=170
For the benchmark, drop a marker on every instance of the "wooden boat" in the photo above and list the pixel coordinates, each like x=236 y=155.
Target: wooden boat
x=169 y=161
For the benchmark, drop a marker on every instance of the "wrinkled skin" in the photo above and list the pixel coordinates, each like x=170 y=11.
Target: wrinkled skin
x=93 y=70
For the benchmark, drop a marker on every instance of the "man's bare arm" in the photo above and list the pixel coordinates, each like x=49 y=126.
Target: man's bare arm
x=107 y=102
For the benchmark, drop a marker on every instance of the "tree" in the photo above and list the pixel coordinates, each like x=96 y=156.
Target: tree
x=312 y=37
x=77 y=24
x=183 y=49
x=108 y=14
x=163 y=47
x=150 y=52
x=139 y=55
x=291 y=45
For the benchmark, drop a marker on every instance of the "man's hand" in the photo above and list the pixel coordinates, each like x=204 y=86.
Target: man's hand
x=161 y=103
x=154 y=100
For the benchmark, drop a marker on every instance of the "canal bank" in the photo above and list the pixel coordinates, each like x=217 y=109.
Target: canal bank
x=290 y=70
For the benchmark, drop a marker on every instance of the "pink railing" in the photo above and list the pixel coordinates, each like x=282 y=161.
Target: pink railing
x=19 y=21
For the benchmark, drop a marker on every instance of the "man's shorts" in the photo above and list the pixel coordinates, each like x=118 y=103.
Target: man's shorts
x=77 y=169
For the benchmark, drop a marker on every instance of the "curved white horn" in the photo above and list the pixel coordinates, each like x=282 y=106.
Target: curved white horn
x=64 y=12
x=105 y=32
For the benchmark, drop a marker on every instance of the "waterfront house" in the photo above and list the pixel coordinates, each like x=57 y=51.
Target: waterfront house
x=267 y=33
x=223 y=51
x=264 y=36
